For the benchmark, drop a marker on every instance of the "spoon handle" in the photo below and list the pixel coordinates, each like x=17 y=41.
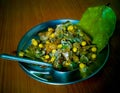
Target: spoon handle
x=24 y=60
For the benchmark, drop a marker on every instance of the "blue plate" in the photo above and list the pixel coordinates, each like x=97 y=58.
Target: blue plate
x=45 y=77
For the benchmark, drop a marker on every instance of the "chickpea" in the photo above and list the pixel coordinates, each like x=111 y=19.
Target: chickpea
x=34 y=42
x=74 y=49
x=93 y=49
x=83 y=43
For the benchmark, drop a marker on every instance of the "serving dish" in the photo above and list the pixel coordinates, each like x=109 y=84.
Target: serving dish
x=42 y=74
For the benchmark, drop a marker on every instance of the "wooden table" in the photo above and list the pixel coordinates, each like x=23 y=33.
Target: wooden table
x=18 y=16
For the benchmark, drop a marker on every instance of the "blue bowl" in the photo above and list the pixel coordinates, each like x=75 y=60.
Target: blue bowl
x=43 y=75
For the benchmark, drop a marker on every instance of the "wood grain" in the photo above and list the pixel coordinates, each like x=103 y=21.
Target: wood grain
x=18 y=16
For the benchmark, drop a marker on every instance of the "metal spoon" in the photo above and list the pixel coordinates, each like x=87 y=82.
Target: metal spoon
x=25 y=60
x=58 y=76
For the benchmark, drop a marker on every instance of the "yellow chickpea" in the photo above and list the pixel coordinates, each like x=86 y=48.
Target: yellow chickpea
x=21 y=54
x=40 y=45
x=47 y=56
x=52 y=35
x=47 y=42
x=67 y=63
x=74 y=49
x=53 y=51
x=83 y=43
x=34 y=42
x=70 y=28
x=93 y=49
x=59 y=46
x=93 y=56
x=82 y=65
x=52 y=59
x=50 y=29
